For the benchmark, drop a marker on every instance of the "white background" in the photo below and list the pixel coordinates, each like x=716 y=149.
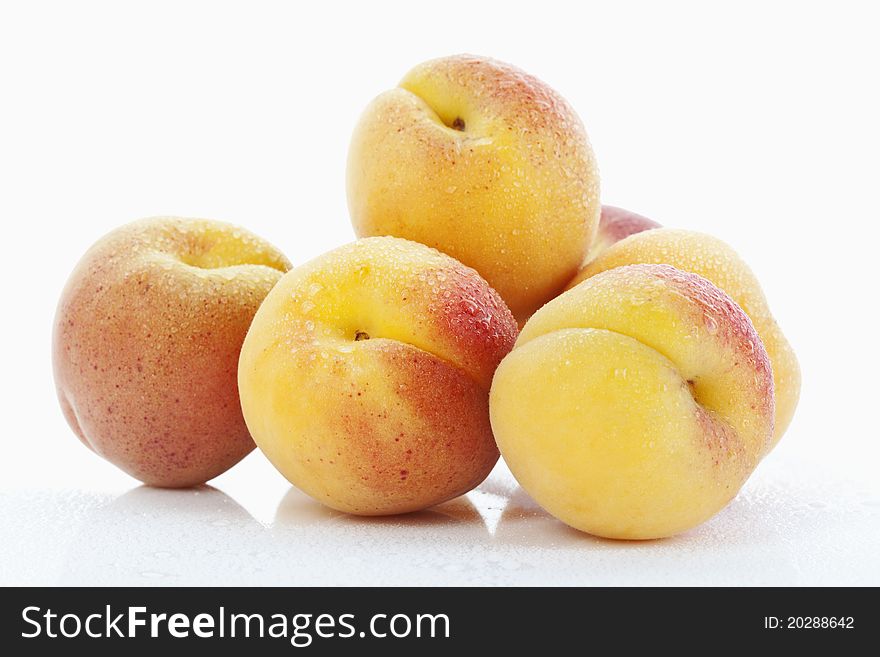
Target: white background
x=753 y=121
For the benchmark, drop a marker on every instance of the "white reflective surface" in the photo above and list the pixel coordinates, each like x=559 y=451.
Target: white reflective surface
x=790 y=525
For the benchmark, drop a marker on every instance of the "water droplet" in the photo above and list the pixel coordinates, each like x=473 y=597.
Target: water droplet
x=711 y=324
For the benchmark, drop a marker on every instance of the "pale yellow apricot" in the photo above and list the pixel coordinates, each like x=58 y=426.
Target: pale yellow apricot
x=636 y=404
x=716 y=261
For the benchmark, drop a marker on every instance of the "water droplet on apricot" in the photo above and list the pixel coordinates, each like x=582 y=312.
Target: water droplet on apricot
x=711 y=324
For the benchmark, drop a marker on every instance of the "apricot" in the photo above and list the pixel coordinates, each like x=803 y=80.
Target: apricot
x=484 y=162
x=714 y=260
x=365 y=376
x=636 y=404
x=616 y=224
x=146 y=342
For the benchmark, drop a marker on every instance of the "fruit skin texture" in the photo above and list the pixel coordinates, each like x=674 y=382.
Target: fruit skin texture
x=513 y=194
x=716 y=261
x=365 y=376
x=635 y=405
x=616 y=224
x=146 y=341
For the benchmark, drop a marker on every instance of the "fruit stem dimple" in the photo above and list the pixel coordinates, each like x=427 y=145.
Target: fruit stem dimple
x=458 y=124
x=361 y=335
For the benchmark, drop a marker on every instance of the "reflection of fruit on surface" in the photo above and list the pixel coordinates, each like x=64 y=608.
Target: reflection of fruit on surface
x=484 y=162
x=714 y=260
x=146 y=342
x=636 y=404
x=296 y=510
x=365 y=376
x=150 y=536
x=616 y=224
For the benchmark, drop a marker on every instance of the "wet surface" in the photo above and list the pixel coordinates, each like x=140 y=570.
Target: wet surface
x=787 y=527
